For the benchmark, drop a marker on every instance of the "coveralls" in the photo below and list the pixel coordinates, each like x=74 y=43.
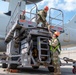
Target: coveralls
x=55 y=58
x=42 y=18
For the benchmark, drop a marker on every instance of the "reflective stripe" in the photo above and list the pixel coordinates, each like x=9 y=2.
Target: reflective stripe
x=54 y=49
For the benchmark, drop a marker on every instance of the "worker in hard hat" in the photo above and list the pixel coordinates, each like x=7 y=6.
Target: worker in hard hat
x=42 y=14
x=54 y=47
x=54 y=40
x=22 y=15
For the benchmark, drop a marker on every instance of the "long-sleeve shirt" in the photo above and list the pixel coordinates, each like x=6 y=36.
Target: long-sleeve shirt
x=42 y=14
x=53 y=42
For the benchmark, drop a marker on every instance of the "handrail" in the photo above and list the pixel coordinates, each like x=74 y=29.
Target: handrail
x=33 y=8
x=59 y=17
x=57 y=10
x=31 y=11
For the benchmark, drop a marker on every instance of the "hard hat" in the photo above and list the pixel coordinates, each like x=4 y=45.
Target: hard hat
x=57 y=33
x=46 y=8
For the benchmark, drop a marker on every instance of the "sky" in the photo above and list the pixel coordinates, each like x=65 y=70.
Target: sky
x=67 y=6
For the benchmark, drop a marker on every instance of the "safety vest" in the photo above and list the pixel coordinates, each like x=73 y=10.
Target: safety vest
x=58 y=47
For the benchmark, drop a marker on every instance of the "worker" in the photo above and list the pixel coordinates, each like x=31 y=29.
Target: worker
x=54 y=47
x=42 y=14
x=22 y=15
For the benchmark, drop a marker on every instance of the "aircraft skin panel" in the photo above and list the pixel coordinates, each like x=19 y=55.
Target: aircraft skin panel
x=35 y=1
x=71 y=23
x=6 y=0
x=3 y=23
x=68 y=37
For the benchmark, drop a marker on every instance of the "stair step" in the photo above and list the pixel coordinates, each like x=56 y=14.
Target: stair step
x=44 y=49
x=43 y=43
x=42 y=61
x=44 y=55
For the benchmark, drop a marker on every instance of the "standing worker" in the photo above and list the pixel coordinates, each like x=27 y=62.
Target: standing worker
x=54 y=47
x=42 y=14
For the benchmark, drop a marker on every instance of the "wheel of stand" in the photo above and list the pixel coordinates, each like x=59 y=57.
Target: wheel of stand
x=74 y=71
x=4 y=65
x=51 y=69
x=35 y=67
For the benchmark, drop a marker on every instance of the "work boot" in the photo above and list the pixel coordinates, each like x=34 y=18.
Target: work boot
x=51 y=73
x=57 y=73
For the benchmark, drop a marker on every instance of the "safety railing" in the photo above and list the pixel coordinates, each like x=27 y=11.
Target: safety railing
x=15 y=16
x=56 y=19
x=33 y=13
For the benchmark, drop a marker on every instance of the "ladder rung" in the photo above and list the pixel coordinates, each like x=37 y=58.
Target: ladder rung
x=44 y=55
x=43 y=43
x=44 y=49
x=43 y=38
x=42 y=61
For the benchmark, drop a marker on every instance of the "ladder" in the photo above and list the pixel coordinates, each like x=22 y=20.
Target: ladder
x=43 y=48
